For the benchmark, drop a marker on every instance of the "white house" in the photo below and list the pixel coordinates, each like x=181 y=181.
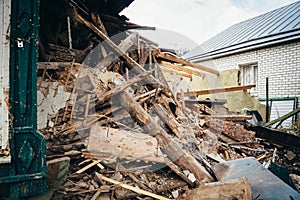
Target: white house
x=264 y=46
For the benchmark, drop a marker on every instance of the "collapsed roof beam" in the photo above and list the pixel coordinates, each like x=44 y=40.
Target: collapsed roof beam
x=178 y=73
x=184 y=62
x=180 y=68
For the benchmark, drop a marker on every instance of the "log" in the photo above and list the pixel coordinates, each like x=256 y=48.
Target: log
x=170 y=147
x=170 y=120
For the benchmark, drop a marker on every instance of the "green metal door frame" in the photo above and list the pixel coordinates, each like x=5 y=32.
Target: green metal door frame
x=26 y=174
x=271 y=100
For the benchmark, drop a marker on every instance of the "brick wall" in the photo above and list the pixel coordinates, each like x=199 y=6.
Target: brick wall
x=280 y=63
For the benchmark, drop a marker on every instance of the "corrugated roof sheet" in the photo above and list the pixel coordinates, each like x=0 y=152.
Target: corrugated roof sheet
x=277 y=26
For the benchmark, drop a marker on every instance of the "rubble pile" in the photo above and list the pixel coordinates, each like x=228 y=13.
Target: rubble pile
x=128 y=136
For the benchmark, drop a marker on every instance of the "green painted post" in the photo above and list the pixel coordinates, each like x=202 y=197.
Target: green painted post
x=25 y=176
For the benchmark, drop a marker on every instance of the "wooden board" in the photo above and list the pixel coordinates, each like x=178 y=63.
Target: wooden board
x=178 y=73
x=184 y=62
x=180 y=68
x=129 y=187
x=218 y=90
x=234 y=189
x=124 y=144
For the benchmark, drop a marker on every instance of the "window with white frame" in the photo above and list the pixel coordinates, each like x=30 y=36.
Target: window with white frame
x=249 y=75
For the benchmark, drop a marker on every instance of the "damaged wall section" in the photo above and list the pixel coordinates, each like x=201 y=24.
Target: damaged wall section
x=237 y=100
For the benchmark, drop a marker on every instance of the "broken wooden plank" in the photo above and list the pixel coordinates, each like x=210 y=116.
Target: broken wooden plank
x=96 y=195
x=57 y=172
x=178 y=73
x=169 y=145
x=170 y=120
x=146 y=40
x=135 y=179
x=201 y=108
x=218 y=90
x=134 y=189
x=58 y=65
x=235 y=189
x=232 y=117
x=97 y=20
x=180 y=68
x=176 y=169
x=123 y=46
x=206 y=102
x=284 y=117
x=114 y=47
x=171 y=187
x=123 y=144
x=95 y=162
x=144 y=56
x=116 y=90
x=184 y=62
x=147 y=94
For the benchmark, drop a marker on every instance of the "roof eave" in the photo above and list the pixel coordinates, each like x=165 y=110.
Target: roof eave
x=245 y=47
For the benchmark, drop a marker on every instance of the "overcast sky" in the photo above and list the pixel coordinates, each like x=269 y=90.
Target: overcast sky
x=187 y=23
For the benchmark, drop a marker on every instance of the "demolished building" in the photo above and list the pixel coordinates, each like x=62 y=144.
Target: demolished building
x=115 y=129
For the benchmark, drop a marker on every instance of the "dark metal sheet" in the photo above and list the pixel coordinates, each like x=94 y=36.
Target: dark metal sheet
x=263 y=183
x=276 y=136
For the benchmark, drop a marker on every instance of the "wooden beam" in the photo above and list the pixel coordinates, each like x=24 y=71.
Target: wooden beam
x=97 y=20
x=57 y=65
x=124 y=46
x=114 y=47
x=219 y=90
x=184 y=62
x=170 y=146
x=129 y=187
x=170 y=120
x=232 y=117
x=284 y=117
x=178 y=73
x=206 y=102
x=104 y=97
x=178 y=171
x=95 y=162
x=179 y=68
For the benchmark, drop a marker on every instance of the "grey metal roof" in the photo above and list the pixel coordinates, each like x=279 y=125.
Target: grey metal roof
x=271 y=28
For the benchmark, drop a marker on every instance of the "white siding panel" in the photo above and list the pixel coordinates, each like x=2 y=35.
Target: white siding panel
x=280 y=108
x=5 y=7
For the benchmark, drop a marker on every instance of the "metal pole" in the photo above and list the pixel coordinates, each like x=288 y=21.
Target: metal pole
x=267 y=99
